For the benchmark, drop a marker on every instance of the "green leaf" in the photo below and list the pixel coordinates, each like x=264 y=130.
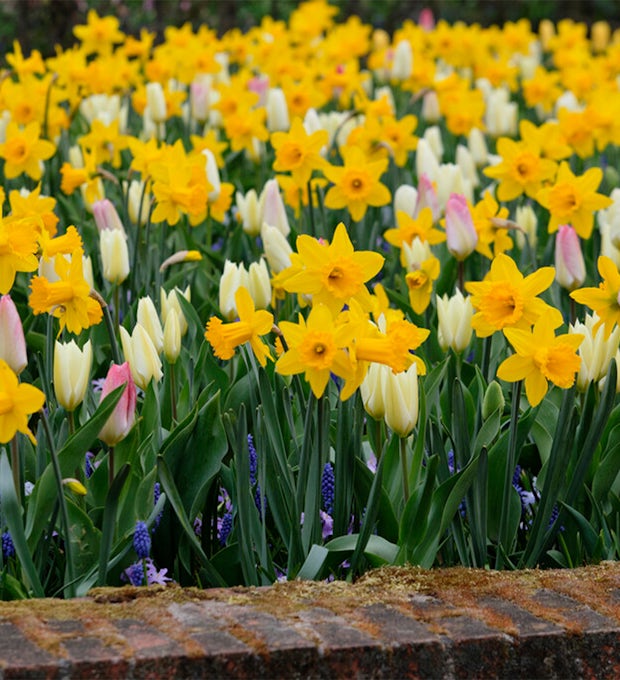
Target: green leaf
x=312 y=568
x=108 y=528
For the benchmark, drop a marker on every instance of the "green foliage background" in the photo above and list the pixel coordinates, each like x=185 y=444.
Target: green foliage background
x=41 y=24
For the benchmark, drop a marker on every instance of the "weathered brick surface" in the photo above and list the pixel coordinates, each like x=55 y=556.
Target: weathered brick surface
x=407 y=623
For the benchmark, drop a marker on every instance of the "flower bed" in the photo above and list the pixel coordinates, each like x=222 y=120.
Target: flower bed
x=305 y=300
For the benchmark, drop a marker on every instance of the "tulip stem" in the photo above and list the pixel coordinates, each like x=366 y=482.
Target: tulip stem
x=116 y=356
x=461 y=275
x=110 y=466
x=173 y=399
x=403 y=462
x=573 y=310
x=16 y=467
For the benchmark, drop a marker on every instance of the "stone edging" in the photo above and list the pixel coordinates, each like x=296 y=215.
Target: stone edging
x=392 y=623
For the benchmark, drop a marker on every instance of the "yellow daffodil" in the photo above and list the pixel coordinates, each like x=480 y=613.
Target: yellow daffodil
x=316 y=348
x=420 y=284
x=541 y=356
x=225 y=337
x=18 y=247
x=17 y=402
x=298 y=152
x=23 y=151
x=507 y=299
x=409 y=227
x=68 y=298
x=604 y=300
x=333 y=273
x=573 y=200
x=356 y=184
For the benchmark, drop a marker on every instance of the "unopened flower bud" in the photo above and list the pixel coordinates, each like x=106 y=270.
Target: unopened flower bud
x=213 y=174
x=493 y=400
x=478 y=146
x=259 y=284
x=233 y=277
x=431 y=112
x=277 y=110
x=427 y=197
x=250 y=212
x=156 y=102
x=12 y=341
x=400 y=397
x=432 y=135
x=75 y=485
x=461 y=234
x=405 y=199
x=276 y=248
x=172 y=337
x=138 y=202
x=171 y=301
x=570 y=268
x=106 y=216
x=71 y=373
x=426 y=162
x=114 y=255
x=272 y=207
x=142 y=356
x=121 y=420
x=402 y=64
x=148 y=318
x=526 y=219
x=454 y=315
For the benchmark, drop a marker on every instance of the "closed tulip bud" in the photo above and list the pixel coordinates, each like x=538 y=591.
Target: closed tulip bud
x=570 y=269
x=121 y=420
x=493 y=400
x=260 y=86
x=276 y=248
x=142 y=356
x=461 y=234
x=106 y=216
x=400 y=396
x=171 y=301
x=71 y=373
x=233 y=277
x=114 y=255
x=97 y=195
x=213 y=175
x=427 y=197
x=172 y=337
x=426 y=162
x=259 y=284
x=526 y=219
x=546 y=31
x=607 y=247
x=272 y=207
x=596 y=351
x=87 y=270
x=601 y=33
x=405 y=199
x=75 y=485
x=138 y=202
x=402 y=64
x=249 y=209
x=611 y=216
x=371 y=390
x=567 y=100
x=478 y=146
x=431 y=112
x=454 y=315
x=452 y=181
x=432 y=135
x=277 y=111
x=12 y=341
x=467 y=165
x=156 y=102
x=148 y=318
x=199 y=96
x=501 y=114
x=414 y=254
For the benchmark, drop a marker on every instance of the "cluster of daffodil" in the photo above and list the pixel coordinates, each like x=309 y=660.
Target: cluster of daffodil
x=359 y=208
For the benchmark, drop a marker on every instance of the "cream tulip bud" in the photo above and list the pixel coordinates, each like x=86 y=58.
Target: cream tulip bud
x=501 y=114
x=71 y=373
x=432 y=135
x=611 y=216
x=467 y=165
x=526 y=219
x=461 y=234
x=199 y=96
x=156 y=102
x=608 y=249
x=454 y=315
x=414 y=254
x=233 y=277
x=249 y=209
x=138 y=202
x=12 y=340
x=272 y=207
x=171 y=301
x=87 y=270
x=172 y=337
x=259 y=284
x=570 y=268
x=148 y=318
x=123 y=416
x=426 y=162
x=451 y=181
x=277 y=111
x=402 y=64
x=478 y=147
x=106 y=216
x=400 y=396
x=213 y=175
x=405 y=199
x=114 y=255
x=596 y=351
x=431 y=111
x=142 y=356
x=371 y=390
x=276 y=248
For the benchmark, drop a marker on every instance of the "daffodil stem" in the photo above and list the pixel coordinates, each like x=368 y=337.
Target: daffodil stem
x=311 y=209
x=486 y=357
x=70 y=580
x=403 y=462
x=510 y=468
x=116 y=356
x=16 y=468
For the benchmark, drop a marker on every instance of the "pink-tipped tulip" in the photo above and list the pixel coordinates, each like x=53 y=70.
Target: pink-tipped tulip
x=427 y=197
x=12 y=341
x=461 y=234
x=106 y=216
x=570 y=269
x=122 y=419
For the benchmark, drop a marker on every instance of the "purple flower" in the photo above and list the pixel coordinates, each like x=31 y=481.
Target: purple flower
x=156 y=495
x=142 y=540
x=135 y=573
x=327 y=488
x=8 y=549
x=253 y=457
x=225 y=527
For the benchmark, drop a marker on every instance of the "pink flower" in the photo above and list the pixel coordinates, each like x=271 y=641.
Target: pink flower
x=12 y=341
x=570 y=269
x=427 y=197
x=122 y=419
x=427 y=19
x=461 y=234
x=106 y=217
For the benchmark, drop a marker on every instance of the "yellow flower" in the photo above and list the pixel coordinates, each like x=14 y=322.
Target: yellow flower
x=68 y=298
x=409 y=227
x=507 y=299
x=333 y=273
x=573 y=200
x=99 y=34
x=23 y=151
x=17 y=402
x=487 y=217
x=33 y=205
x=246 y=127
x=604 y=300
x=225 y=337
x=315 y=348
x=539 y=357
x=420 y=284
x=299 y=152
x=18 y=247
x=356 y=184
x=522 y=170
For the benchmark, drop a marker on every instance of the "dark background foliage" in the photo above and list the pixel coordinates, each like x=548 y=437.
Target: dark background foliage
x=41 y=24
